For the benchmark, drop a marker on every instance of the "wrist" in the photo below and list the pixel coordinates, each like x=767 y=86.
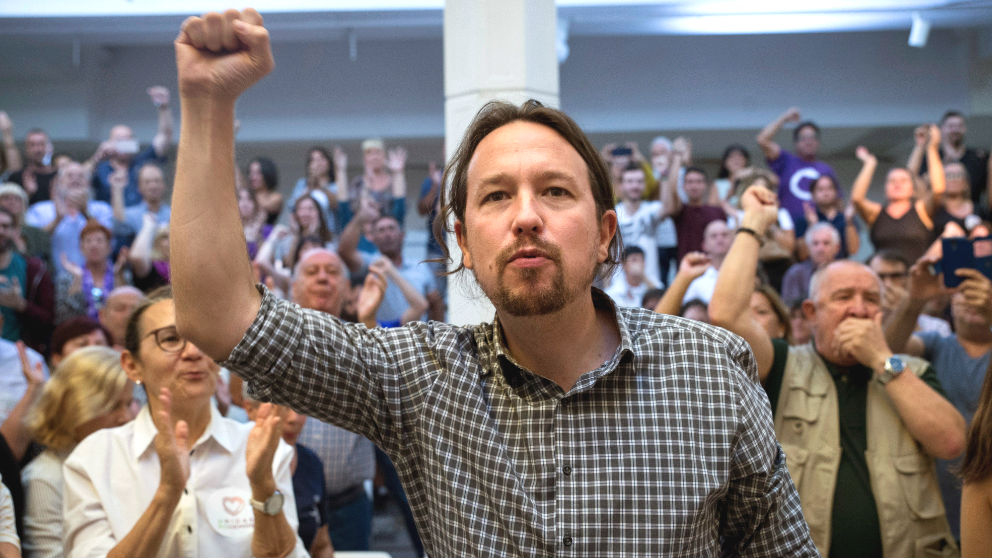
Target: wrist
x=752 y=222
x=167 y=496
x=263 y=488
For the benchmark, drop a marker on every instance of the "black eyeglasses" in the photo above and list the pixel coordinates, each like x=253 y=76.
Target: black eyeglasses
x=168 y=339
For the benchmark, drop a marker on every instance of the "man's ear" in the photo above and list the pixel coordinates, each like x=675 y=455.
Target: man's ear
x=462 y=244
x=607 y=230
x=809 y=310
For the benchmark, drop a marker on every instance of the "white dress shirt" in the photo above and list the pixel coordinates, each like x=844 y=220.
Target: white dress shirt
x=8 y=533
x=42 y=479
x=112 y=475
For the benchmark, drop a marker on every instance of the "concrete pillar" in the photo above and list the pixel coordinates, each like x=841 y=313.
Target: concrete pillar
x=493 y=49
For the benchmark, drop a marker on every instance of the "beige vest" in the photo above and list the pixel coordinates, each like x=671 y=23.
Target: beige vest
x=903 y=478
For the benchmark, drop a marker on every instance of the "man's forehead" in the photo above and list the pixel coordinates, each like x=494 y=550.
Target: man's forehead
x=501 y=149
x=320 y=256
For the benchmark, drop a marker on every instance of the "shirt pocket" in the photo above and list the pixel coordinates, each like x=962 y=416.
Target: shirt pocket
x=919 y=485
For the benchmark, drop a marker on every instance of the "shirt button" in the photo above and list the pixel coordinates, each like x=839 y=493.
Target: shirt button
x=189 y=529
x=186 y=491
x=567 y=540
x=567 y=470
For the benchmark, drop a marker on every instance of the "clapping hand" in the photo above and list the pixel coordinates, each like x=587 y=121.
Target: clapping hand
x=396 y=159
x=172 y=446
x=693 y=265
x=262 y=443
x=34 y=375
x=159 y=95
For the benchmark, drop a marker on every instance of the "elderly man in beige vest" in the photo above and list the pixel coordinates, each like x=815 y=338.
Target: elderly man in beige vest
x=860 y=426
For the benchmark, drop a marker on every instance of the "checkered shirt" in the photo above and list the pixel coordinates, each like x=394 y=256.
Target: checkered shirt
x=666 y=449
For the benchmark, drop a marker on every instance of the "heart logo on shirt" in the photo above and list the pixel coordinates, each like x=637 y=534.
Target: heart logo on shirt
x=233 y=505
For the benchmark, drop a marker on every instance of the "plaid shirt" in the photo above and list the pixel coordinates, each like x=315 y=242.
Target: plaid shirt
x=666 y=449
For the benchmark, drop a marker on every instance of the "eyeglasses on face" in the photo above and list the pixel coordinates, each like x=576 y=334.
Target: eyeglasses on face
x=168 y=339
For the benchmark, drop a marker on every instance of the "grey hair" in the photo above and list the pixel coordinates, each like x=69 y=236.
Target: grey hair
x=819 y=227
x=662 y=140
x=817 y=279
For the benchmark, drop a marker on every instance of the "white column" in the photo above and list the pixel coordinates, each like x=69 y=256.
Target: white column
x=493 y=50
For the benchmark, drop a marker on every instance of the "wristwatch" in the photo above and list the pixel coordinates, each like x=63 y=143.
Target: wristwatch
x=271 y=506
x=894 y=366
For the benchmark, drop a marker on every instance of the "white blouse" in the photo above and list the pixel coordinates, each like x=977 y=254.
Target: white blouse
x=112 y=476
x=42 y=479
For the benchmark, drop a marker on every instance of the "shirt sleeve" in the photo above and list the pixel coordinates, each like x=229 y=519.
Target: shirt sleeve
x=42 y=518
x=87 y=528
x=363 y=380
x=762 y=515
x=8 y=532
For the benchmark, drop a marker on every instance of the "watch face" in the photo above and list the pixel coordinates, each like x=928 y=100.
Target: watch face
x=895 y=364
x=274 y=504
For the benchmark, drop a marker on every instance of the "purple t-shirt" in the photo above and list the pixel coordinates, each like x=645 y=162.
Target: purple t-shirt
x=796 y=177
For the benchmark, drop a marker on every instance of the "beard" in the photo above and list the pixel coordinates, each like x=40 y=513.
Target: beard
x=533 y=298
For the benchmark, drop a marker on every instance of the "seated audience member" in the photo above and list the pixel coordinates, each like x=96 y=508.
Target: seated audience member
x=65 y=215
x=695 y=309
x=27 y=298
x=120 y=153
x=734 y=163
x=651 y=298
x=154 y=202
x=116 y=311
x=319 y=183
x=692 y=216
x=621 y=157
x=801 y=333
x=955 y=206
x=692 y=266
x=893 y=271
x=308 y=483
x=953 y=150
x=903 y=223
x=628 y=288
x=88 y=391
x=878 y=417
x=960 y=359
x=637 y=220
x=824 y=245
x=976 y=472
x=180 y=479
x=716 y=241
x=149 y=255
x=411 y=289
x=253 y=221
x=278 y=251
x=15 y=439
x=780 y=240
x=828 y=206
x=320 y=283
x=30 y=241
x=83 y=290
x=76 y=333
x=383 y=180
x=770 y=312
x=38 y=173
x=10 y=544
x=263 y=180
x=796 y=171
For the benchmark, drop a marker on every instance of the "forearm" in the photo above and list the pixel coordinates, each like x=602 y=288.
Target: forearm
x=671 y=301
x=14 y=432
x=902 y=323
x=321 y=546
x=671 y=204
x=348 y=245
x=145 y=538
x=140 y=255
x=851 y=238
x=399 y=184
x=211 y=278
x=416 y=301
x=117 y=201
x=929 y=418
x=11 y=153
x=273 y=536
x=915 y=160
x=735 y=282
x=163 y=136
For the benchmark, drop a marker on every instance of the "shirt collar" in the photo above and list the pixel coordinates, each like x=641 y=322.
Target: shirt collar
x=494 y=355
x=219 y=430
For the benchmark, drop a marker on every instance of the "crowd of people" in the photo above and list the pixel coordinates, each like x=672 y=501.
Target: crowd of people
x=121 y=437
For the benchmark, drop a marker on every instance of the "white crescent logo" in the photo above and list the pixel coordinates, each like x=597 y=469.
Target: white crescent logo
x=801 y=190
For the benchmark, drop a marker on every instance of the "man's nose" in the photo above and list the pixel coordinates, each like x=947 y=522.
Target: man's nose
x=528 y=219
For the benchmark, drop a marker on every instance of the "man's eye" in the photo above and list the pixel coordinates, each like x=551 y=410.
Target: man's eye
x=494 y=196
x=557 y=192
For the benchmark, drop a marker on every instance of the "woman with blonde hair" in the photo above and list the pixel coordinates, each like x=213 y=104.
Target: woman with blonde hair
x=88 y=391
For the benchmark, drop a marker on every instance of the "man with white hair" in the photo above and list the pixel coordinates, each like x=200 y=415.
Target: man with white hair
x=117 y=309
x=30 y=241
x=65 y=215
x=823 y=241
x=860 y=425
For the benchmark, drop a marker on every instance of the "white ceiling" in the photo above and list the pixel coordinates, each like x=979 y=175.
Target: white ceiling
x=122 y=22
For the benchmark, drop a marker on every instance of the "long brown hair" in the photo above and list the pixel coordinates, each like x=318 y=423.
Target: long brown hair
x=495 y=115
x=977 y=464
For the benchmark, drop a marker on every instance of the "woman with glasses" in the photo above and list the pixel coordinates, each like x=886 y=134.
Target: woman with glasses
x=88 y=391
x=179 y=480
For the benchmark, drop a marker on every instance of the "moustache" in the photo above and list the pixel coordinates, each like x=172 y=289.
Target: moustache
x=547 y=249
